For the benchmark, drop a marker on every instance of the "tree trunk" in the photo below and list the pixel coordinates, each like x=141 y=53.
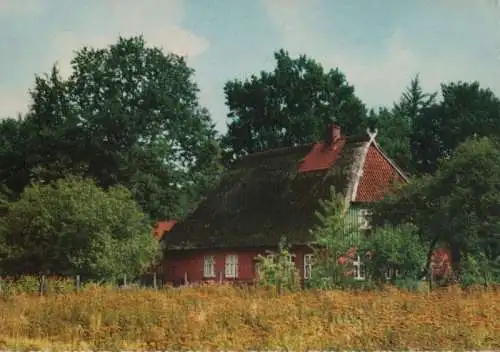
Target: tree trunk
x=432 y=246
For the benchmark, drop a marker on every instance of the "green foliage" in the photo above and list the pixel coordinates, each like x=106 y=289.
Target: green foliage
x=396 y=125
x=395 y=254
x=458 y=206
x=289 y=106
x=334 y=237
x=338 y=240
x=466 y=110
x=72 y=227
x=129 y=115
x=479 y=269
x=277 y=270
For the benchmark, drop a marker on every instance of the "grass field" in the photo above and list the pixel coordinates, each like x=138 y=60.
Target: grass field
x=240 y=319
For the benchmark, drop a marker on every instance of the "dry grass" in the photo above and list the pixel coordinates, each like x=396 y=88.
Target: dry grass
x=230 y=318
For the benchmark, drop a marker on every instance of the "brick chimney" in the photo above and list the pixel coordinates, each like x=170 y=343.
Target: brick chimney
x=333 y=133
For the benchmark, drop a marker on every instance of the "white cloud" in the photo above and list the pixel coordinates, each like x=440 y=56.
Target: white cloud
x=379 y=80
x=99 y=25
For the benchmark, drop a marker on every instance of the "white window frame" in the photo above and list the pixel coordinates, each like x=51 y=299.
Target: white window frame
x=308 y=263
x=390 y=272
x=358 y=269
x=290 y=257
x=231 y=266
x=209 y=266
x=363 y=222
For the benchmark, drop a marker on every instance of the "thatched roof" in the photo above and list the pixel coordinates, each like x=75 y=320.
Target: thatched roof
x=270 y=194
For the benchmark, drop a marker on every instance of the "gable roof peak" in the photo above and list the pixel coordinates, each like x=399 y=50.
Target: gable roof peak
x=372 y=134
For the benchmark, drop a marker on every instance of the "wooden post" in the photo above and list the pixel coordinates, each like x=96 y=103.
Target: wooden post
x=154 y=281
x=125 y=280
x=42 y=285
x=220 y=277
x=185 y=278
x=77 y=283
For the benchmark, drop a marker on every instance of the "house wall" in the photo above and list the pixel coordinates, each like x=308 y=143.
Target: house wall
x=189 y=264
x=377 y=177
x=177 y=266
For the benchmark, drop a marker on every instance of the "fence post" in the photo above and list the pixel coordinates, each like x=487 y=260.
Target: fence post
x=154 y=281
x=125 y=280
x=185 y=278
x=42 y=285
x=77 y=283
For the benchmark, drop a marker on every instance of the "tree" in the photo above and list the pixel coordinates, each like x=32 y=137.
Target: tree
x=396 y=125
x=276 y=270
x=335 y=238
x=290 y=105
x=466 y=110
x=396 y=254
x=129 y=115
x=71 y=226
x=458 y=206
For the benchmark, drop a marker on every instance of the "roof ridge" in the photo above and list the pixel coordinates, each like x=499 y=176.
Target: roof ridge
x=280 y=150
x=277 y=151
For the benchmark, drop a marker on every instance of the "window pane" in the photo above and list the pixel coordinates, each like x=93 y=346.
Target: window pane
x=307 y=265
x=209 y=266
x=231 y=267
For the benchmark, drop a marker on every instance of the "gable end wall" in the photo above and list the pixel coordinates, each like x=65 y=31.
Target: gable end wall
x=378 y=174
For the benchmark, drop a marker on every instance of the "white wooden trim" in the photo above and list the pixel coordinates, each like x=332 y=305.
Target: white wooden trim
x=359 y=172
x=358 y=265
x=209 y=266
x=308 y=264
x=231 y=267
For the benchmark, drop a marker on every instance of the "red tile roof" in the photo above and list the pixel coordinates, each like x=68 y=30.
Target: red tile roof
x=378 y=175
x=322 y=156
x=162 y=227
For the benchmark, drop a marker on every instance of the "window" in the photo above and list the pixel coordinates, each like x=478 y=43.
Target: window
x=391 y=273
x=308 y=262
x=231 y=266
x=358 y=269
x=209 y=266
x=290 y=258
x=363 y=219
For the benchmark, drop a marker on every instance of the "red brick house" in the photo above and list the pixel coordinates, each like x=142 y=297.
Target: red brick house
x=273 y=193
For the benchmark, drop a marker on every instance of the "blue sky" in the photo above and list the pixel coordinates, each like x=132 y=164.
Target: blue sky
x=379 y=44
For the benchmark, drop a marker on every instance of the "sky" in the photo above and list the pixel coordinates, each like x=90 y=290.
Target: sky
x=380 y=45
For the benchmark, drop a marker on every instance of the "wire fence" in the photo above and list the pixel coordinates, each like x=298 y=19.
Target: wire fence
x=44 y=285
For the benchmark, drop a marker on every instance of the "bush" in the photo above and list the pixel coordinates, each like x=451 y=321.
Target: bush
x=33 y=285
x=395 y=255
x=72 y=227
x=278 y=271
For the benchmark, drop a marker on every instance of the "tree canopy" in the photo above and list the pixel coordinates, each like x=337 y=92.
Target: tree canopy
x=290 y=105
x=459 y=206
x=73 y=227
x=127 y=115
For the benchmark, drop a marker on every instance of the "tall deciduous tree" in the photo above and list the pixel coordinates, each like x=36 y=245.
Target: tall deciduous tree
x=72 y=227
x=466 y=110
x=128 y=114
x=290 y=105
